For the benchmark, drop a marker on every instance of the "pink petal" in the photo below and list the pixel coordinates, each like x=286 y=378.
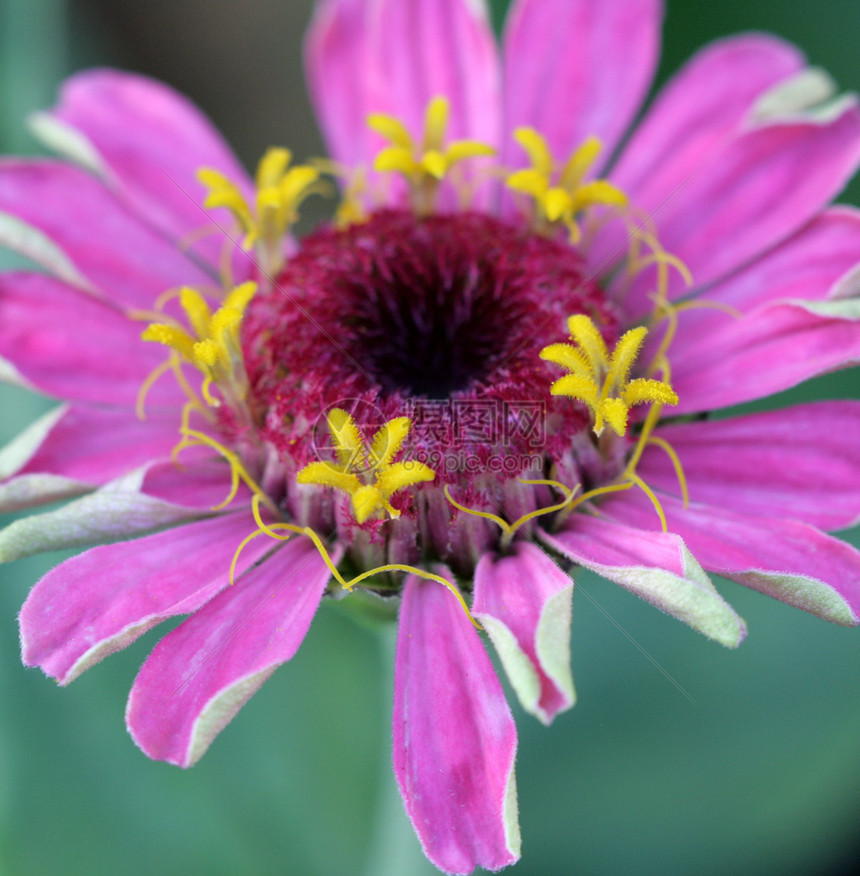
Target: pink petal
x=74 y=449
x=767 y=351
x=101 y=601
x=802 y=462
x=336 y=46
x=111 y=246
x=202 y=673
x=440 y=47
x=407 y=53
x=765 y=184
x=196 y=480
x=61 y=342
x=27 y=491
x=140 y=502
x=151 y=140
x=454 y=736
x=813 y=265
x=576 y=68
x=656 y=566
x=785 y=559
x=703 y=105
x=523 y=600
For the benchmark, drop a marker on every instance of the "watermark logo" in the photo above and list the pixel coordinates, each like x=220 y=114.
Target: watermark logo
x=468 y=436
x=461 y=423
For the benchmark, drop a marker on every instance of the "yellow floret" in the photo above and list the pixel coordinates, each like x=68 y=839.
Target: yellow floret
x=280 y=191
x=367 y=473
x=559 y=197
x=424 y=166
x=601 y=381
x=212 y=344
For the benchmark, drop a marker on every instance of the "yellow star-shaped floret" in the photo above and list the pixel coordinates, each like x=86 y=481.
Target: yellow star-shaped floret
x=602 y=381
x=426 y=166
x=367 y=474
x=281 y=189
x=559 y=198
x=212 y=345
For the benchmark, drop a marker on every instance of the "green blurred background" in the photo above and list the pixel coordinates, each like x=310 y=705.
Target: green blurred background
x=756 y=770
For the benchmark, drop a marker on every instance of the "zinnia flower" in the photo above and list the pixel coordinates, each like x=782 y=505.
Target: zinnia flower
x=496 y=364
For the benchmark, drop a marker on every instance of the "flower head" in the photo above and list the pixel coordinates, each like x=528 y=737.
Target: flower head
x=378 y=405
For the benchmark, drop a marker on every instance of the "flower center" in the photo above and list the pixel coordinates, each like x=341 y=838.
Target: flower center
x=429 y=332
x=404 y=307
x=435 y=309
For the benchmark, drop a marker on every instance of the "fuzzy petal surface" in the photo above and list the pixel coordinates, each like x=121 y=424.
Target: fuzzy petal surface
x=200 y=675
x=576 y=68
x=657 y=566
x=64 y=343
x=150 y=141
x=29 y=490
x=801 y=462
x=149 y=498
x=73 y=449
x=111 y=246
x=101 y=601
x=454 y=736
x=787 y=560
x=524 y=602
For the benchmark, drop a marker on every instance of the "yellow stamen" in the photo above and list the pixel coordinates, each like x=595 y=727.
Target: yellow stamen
x=598 y=491
x=559 y=197
x=231 y=578
x=663 y=307
x=281 y=189
x=212 y=345
x=630 y=480
x=668 y=311
x=348 y=441
x=424 y=166
x=146 y=386
x=651 y=421
x=271 y=531
x=676 y=464
x=366 y=473
x=388 y=441
x=510 y=529
x=194 y=438
x=654 y=501
x=173 y=363
x=603 y=382
x=354 y=191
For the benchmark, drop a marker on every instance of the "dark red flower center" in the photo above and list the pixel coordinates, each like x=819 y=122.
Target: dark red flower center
x=401 y=309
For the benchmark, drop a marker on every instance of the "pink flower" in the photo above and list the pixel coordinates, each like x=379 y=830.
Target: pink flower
x=497 y=364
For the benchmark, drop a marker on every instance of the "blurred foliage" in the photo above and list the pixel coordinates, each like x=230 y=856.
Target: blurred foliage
x=680 y=757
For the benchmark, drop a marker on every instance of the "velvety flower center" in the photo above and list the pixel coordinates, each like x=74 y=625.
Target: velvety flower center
x=403 y=308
